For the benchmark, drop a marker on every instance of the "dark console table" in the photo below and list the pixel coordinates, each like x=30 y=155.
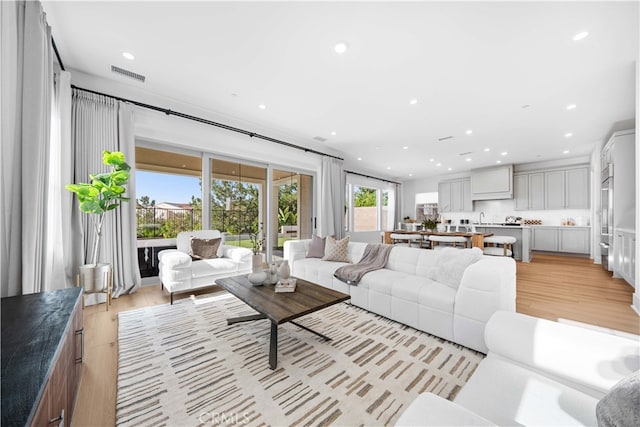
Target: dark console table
x=42 y=350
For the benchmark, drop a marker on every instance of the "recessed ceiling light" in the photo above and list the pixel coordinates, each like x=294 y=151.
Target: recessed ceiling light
x=128 y=55
x=410 y=174
x=413 y=101
x=359 y=158
x=565 y=152
x=449 y=169
x=431 y=160
x=468 y=159
x=333 y=133
x=469 y=132
x=262 y=107
x=571 y=106
x=341 y=47
x=486 y=150
x=580 y=35
x=438 y=164
x=568 y=135
x=498 y=161
x=405 y=148
x=504 y=153
x=388 y=168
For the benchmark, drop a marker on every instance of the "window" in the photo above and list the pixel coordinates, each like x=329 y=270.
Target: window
x=365 y=209
x=370 y=205
x=168 y=193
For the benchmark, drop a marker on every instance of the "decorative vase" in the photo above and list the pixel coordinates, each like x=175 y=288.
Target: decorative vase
x=257 y=277
x=273 y=272
x=256 y=263
x=284 y=271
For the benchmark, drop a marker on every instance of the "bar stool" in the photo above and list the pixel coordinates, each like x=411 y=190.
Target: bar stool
x=408 y=238
x=436 y=240
x=506 y=242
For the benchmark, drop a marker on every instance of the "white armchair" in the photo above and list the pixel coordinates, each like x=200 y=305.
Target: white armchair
x=179 y=272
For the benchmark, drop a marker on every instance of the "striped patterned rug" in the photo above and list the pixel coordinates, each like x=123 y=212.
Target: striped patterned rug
x=182 y=365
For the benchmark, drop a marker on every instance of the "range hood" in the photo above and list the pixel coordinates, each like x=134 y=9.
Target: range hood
x=492 y=183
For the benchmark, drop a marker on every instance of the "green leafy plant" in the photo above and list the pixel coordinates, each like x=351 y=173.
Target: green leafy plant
x=429 y=224
x=104 y=193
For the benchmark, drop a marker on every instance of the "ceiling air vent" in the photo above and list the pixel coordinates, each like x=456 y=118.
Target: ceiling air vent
x=320 y=139
x=445 y=138
x=465 y=154
x=127 y=73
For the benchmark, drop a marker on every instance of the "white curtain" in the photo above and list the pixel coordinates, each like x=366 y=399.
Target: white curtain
x=30 y=181
x=332 y=197
x=101 y=123
x=397 y=211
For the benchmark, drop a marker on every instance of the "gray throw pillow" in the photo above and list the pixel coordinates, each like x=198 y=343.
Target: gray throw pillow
x=621 y=406
x=204 y=248
x=316 y=247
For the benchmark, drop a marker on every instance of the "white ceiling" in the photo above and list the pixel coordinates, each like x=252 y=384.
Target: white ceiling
x=470 y=65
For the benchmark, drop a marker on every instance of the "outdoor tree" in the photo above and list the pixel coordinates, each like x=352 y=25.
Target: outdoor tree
x=364 y=197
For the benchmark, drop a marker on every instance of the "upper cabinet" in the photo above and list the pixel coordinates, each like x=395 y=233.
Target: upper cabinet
x=455 y=196
x=492 y=183
x=552 y=189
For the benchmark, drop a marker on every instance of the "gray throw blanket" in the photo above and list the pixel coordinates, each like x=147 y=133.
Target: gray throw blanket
x=374 y=258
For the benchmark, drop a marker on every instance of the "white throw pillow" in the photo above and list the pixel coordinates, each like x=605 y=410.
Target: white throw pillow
x=451 y=264
x=336 y=250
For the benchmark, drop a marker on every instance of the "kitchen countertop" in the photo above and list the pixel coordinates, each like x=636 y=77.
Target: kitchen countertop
x=33 y=327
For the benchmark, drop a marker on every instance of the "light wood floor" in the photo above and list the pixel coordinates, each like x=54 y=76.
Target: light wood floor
x=551 y=287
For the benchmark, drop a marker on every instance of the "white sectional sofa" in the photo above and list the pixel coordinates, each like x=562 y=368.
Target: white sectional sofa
x=542 y=373
x=179 y=273
x=403 y=291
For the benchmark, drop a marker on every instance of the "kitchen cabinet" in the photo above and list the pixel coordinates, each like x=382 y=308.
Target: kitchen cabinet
x=545 y=239
x=42 y=352
x=624 y=255
x=552 y=189
x=576 y=240
x=455 y=196
x=577 y=188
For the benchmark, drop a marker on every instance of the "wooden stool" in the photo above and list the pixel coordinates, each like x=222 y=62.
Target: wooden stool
x=408 y=238
x=436 y=240
x=506 y=242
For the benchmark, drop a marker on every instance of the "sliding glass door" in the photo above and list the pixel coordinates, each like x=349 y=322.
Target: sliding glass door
x=238 y=198
x=292 y=208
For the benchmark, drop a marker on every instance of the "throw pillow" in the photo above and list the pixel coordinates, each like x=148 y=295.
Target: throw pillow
x=204 y=248
x=316 y=247
x=451 y=264
x=621 y=405
x=336 y=250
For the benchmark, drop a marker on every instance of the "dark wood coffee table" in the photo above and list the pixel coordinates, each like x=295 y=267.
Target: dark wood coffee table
x=280 y=307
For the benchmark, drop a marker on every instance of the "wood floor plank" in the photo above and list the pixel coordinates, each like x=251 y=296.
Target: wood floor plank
x=550 y=287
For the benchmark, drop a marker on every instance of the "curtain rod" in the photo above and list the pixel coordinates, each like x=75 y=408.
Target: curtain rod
x=208 y=122
x=373 y=177
x=55 y=50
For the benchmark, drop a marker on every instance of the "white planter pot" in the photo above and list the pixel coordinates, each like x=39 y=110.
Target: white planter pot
x=95 y=277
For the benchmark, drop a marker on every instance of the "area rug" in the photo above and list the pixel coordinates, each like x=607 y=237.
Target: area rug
x=182 y=365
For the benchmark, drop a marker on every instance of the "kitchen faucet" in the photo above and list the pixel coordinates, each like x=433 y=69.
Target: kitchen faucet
x=481 y=216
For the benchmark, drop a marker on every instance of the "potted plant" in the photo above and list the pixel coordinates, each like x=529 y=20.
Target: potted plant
x=103 y=194
x=429 y=224
x=258 y=276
